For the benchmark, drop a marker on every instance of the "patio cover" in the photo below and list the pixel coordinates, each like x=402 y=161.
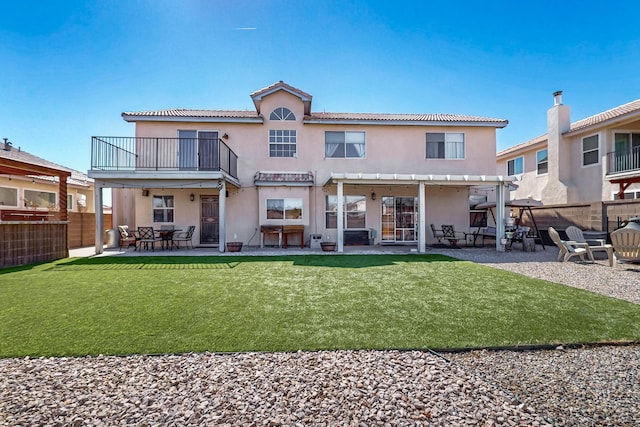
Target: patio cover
x=421 y=180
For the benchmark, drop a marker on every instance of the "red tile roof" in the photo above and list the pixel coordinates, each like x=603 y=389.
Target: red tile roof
x=406 y=118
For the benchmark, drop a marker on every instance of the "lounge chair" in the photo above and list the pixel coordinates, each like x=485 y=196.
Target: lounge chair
x=569 y=249
x=184 y=236
x=127 y=238
x=146 y=236
x=575 y=234
x=626 y=244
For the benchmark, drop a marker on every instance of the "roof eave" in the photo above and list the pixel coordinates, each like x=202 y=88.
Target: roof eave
x=404 y=122
x=139 y=118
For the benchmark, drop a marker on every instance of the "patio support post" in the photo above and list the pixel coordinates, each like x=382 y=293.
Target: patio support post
x=97 y=197
x=222 y=207
x=422 y=219
x=62 y=191
x=499 y=217
x=340 y=218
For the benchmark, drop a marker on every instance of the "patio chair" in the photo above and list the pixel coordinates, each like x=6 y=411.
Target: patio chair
x=575 y=234
x=184 y=236
x=438 y=234
x=626 y=244
x=569 y=249
x=146 y=236
x=127 y=238
x=449 y=232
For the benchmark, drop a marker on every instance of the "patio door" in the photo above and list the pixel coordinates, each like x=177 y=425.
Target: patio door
x=399 y=219
x=209 y=220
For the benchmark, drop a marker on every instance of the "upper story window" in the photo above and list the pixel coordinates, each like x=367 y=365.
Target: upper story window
x=8 y=196
x=445 y=145
x=282 y=143
x=344 y=144
x=282 y=113
x=542 y=162
x=590 y=151
x=515 y=166
x=162 y=208
x=284 y=209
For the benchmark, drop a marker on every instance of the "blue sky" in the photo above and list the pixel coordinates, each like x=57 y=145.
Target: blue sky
x=68 y=68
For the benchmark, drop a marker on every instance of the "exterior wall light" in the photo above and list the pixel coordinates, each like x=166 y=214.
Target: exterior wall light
x=373 y=195
x=192 y=197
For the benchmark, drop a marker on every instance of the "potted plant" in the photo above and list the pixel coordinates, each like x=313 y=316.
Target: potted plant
x=234 y=246
x=328 y=246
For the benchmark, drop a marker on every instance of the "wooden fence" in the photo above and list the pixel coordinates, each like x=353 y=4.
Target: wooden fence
x=28 y=242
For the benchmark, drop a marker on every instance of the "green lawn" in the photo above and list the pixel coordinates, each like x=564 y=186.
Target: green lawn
x=225 y=304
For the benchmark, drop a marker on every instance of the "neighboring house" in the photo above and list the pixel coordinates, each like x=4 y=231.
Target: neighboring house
x=34 y=191
x=594 y=159
x=336 y=175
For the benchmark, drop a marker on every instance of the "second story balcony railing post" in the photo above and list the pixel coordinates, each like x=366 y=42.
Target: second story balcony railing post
x=623 y=161
x=162 y=154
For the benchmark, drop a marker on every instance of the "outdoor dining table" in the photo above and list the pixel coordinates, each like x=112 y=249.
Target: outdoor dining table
x=167 y=237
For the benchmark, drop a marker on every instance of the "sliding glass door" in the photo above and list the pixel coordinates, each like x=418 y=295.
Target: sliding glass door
x=399 y=219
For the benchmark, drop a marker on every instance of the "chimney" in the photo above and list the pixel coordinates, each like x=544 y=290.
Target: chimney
x=557 y=98
x=556 y=190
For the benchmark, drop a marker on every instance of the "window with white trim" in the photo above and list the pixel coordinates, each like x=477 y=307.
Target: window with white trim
x=542 y=162
x=285 y=209
x=8 y=196
x=346 y=144
x=282 y=143
x=39 y=199
x=445 y=145
x=590 y=150
x=515 y=166
x=163 y=209
x=355 y=211
x=282 y=113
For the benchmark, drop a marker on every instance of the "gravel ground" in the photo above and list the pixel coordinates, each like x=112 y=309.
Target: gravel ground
x=572 y=387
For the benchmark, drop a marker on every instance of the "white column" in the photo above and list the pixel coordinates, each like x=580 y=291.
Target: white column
x=340 y=218
x=97 y=198
x=222 y=215
x=499 y=217
x=422 y=219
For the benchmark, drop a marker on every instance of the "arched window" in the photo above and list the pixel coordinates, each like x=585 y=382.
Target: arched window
x=282 y=113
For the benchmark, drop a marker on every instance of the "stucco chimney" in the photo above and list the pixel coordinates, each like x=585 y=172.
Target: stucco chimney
x=559 y=156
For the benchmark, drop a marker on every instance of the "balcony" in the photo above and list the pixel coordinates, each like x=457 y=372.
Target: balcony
x=145 y=154
x=623 y=162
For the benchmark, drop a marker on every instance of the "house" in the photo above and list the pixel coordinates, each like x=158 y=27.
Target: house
x=344 y=177
x=29 y=182
x=590 y=160
x=42 y=208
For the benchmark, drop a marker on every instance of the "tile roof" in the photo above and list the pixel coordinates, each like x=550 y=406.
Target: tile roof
x=406 y=118
x=283 y=177
x=519 y=147
x=281 y=85
x=597 y=119
x=187 y=113
x=614 y=113
x=182 y=113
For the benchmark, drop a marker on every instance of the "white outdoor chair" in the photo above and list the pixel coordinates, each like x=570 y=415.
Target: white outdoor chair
x=575 y=234
x=626 y=244
x=569 y=249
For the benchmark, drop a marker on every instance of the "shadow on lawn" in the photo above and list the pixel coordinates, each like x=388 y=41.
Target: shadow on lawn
x=228 y=262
